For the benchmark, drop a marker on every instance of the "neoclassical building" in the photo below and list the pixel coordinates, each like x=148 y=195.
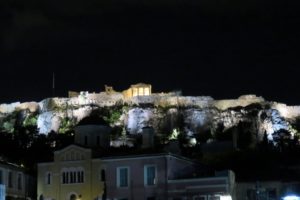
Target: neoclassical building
x=75 y=175
x=70 y=176
x=83 y=171
x=15 y=183
x=140 y=89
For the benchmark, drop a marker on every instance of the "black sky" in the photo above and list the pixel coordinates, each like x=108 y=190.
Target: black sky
x=222 y=48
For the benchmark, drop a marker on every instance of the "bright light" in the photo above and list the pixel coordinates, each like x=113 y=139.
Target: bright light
x=291 y=197
x=225 y=197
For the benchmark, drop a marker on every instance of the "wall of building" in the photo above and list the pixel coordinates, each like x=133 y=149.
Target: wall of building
x=189 y=188
x=137 y=189
x=247 y=190
x=173 y=177
x=17 y=188
x=179 y=168
x=72 y=158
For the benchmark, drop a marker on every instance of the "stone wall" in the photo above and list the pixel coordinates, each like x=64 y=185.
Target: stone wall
x=242 y=101
x=287 y=111
x=8 y=108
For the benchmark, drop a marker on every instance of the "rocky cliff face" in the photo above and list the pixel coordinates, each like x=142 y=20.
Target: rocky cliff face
x=192 y=116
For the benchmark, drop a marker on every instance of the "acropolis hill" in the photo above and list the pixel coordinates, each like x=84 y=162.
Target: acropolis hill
x=138 y=107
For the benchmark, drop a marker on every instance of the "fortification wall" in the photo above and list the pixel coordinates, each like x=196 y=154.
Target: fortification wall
x=31 y=106
x=137 y=100
x=101 y=99
x=201 y=101
x=287 y=111
x=8 y=108
x=171 y=101
x=242 y=101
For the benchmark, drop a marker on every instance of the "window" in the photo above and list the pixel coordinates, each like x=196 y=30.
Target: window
x=85 y=140
x=1 y=177
x=19 y=181
x=98 y=140
x=81 y=177
x=122 y=176
x=48 y=178
x=149 y=175
x=102 y=175
x=10 y=179
x=72 y=176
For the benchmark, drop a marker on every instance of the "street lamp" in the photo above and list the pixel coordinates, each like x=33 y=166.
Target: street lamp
x=225 y=197
x=291 y=197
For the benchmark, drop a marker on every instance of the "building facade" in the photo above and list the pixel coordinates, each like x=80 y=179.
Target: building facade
x=74 y=174
x=267 y=190
x=140 y=89
x=160 y=177
x=71 y=176
x=15 y=183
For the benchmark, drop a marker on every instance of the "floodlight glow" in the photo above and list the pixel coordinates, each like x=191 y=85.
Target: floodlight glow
x=291 y=197
x=225 y=197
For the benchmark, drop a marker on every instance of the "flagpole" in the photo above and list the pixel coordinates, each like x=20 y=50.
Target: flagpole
x=53 y=84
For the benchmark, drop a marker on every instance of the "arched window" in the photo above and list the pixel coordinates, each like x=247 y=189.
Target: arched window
x=71 y=178
x=73 y=197
x=64 y=177
x=81 y=179
x=78 y=176
x=72 y=175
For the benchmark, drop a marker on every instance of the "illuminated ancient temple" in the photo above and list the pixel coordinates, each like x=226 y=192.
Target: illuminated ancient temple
x=140 y=89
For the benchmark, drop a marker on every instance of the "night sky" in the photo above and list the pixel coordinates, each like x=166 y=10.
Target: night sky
x=222 y=48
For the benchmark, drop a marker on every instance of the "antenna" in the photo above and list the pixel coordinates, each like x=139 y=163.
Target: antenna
x=53 y=84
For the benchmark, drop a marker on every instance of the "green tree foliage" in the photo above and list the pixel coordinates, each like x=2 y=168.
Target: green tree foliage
x=30 y=120
x=9 y=126
x=66 y=125
x=9 y=122
x=114 y=116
